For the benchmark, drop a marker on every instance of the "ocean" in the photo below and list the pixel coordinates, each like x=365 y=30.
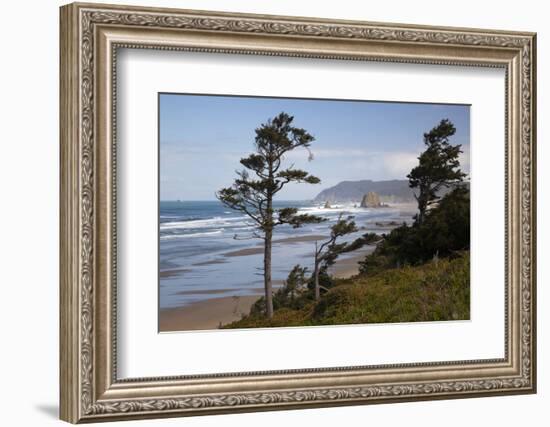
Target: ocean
x=207 y=250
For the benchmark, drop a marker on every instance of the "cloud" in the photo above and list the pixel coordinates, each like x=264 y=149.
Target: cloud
x=346 y=152
x=209 y=168
x=399 y=163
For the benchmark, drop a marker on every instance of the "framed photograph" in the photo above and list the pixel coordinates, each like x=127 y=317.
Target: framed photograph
x=266 y=212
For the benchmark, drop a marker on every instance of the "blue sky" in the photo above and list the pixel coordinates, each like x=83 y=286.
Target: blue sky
x=202 y=139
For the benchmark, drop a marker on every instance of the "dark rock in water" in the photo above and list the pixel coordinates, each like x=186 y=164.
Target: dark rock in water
x=371 y=200
x=327 y=205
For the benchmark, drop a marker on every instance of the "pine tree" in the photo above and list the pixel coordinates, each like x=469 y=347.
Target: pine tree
x=438 y=167
x=327 y=252
x=256 y=186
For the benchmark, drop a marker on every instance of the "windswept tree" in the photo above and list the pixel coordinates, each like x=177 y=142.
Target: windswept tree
x=438 y=167
x=262 y=178
x=327 y=252
x=295 y=283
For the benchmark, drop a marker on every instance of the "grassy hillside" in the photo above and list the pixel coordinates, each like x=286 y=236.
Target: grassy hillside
x=429 y=292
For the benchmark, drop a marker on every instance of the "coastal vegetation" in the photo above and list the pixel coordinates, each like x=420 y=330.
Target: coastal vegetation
x=416 y=272
x=432 y=291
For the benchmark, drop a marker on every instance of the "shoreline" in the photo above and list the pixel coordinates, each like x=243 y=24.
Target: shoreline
x=260 y=249
x=210 y=313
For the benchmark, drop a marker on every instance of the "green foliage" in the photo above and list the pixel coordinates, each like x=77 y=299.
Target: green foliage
x=327 y=252
x=263 y=177
x=295 y=283
x=365 y=239
x=434 y=291
x=290 y=216
x=295 y=292
x=258 y=308
x=398 y=248
x=445 y=230
x=325 y=280
x=438 y=167
x=447 y=227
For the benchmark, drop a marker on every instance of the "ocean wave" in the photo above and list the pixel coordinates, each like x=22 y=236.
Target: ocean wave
x=244 y=228
x=183 y=236
x=333 y=209
x=201 y=223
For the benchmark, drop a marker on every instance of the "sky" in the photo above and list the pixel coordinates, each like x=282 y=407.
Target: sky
x=203 y=137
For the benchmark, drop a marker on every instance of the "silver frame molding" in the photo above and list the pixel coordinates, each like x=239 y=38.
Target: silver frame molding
x=90 y=37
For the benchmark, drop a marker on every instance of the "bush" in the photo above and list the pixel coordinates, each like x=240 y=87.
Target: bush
x=445 y=230
x=325 y=281
x=294 y=294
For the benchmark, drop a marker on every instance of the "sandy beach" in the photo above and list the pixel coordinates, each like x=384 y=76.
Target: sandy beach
x=348 y=267
x=210 y=313
x=207 y=314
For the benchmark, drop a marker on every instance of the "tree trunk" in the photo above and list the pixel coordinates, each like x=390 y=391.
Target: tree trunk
x=422 y=215
x=267 y=274
x=316 y=275
x=423 y=201
x=317 y=287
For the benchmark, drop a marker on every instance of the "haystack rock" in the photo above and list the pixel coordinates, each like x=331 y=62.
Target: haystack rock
x=327 y=205
x=371 y=200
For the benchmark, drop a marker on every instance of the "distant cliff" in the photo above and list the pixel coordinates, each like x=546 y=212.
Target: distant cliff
x=392 y=191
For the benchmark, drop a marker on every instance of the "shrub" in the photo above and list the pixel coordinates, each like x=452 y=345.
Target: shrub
x=445 y=230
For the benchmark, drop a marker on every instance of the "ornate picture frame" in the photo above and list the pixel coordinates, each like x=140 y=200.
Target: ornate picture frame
x=90 y=37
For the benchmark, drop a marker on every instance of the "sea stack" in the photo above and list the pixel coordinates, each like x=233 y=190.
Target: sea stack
x=327 y=205
x=371 y=200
